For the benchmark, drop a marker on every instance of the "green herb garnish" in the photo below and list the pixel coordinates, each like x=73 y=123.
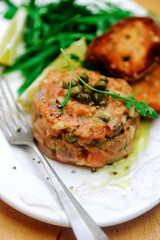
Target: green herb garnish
x=75 y=57
x=141 y=107
x=68 y=92
x=125 y=146
x=52 y=26
x=11 y=9
x=65 y=147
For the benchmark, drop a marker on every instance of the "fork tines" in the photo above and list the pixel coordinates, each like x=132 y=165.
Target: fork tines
x=11 y=118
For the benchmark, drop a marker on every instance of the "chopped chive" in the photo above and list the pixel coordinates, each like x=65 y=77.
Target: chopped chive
x=125 y=146
x=68 y=93
x=65 y=147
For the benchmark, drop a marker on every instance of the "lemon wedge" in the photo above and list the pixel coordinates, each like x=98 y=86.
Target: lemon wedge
x=78 y=48
x=12 y=38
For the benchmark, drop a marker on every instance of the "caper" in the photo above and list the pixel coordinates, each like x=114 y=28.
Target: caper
x=101 y=85
x=70 y=137
x=97 y=97
x=87 y=90
x=53 y=151
x=84 y=98
x=84 y=77
x=75 y=91
x=73 y=83
x=65 y=85
x=94 y=142
x=104 y=79
x=110 y=139
x=39 y=115
x=105 y=118
x=103 y=103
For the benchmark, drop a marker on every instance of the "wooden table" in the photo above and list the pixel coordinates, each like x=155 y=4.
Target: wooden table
x=16 y=226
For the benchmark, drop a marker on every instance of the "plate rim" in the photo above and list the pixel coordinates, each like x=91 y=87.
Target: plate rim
x=124 y=219
x=148 y=206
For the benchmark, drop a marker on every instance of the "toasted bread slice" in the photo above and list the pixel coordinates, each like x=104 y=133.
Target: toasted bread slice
x=148 y=89
x=130 y=49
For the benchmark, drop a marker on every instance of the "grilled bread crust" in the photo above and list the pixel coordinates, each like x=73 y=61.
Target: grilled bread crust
x=148 y=89
x=130 y=49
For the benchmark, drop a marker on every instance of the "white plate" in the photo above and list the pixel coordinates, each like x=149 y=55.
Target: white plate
x=109 y=200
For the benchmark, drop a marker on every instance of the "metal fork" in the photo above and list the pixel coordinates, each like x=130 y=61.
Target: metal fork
x=18 y=132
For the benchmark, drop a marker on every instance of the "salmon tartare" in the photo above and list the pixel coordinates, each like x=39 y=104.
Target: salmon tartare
x=92 y=129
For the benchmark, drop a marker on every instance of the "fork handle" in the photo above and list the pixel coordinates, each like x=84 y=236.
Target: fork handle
x=82 y=224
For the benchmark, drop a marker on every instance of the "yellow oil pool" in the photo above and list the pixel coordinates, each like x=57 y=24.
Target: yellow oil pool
x=121 y=168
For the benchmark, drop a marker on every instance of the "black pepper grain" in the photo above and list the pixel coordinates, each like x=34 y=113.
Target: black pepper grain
x=18 y=130
x=122 y=130
x=109 y=164
x=59 y=106
x=93 y=169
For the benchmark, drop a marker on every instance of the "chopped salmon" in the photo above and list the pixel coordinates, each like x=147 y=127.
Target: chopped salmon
x=83 y=133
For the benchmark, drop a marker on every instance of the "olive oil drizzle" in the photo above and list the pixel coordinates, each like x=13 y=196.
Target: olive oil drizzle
x=123 y=166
